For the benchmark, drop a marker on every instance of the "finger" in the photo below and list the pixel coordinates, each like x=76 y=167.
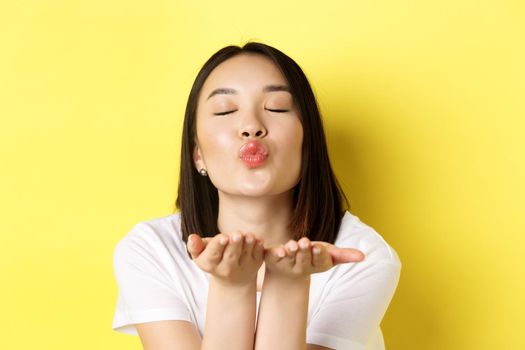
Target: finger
x=274 y=255
x=258 y=250
x=291 y=248
x=303 y=259
x=285 y=257
x=233 y=251
x=249 y=244
x=346 y=255
x=320 y=257
x=205 y=241
x=195 y=245
x=280 y=252
x=212 y=255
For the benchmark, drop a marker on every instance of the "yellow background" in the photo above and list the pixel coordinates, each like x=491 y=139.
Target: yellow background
x=423 y=104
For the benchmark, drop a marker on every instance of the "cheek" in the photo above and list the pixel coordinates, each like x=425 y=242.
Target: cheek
x=292 y=137
x=299 y=137
x=214 y=142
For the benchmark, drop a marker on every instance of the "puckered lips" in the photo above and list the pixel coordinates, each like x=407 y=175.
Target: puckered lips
x=253 y=153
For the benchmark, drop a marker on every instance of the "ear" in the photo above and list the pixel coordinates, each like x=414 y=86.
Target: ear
x=197 y=157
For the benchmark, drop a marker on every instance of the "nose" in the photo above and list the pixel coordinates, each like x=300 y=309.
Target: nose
x=252 y=127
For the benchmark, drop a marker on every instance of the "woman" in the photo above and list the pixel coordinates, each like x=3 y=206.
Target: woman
x=262 y=254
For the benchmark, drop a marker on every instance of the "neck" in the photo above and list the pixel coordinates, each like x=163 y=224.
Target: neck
x=266 y=217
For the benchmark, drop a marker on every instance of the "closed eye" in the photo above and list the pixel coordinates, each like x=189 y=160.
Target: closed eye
x=279 y=110
x=224 y=113
x=271 y=110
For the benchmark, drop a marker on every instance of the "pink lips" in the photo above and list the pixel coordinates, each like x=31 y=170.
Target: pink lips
x=253 y=153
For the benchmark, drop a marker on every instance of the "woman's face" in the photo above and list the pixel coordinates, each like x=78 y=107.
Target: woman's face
x=252 y=116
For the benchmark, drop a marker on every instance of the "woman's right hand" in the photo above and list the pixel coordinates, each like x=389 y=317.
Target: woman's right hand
x=231 y=261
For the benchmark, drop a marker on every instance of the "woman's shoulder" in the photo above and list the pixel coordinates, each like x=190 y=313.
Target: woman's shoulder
x=156 y=234
x=354 y=233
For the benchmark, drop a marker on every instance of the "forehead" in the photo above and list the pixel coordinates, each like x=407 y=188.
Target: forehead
x=244 y=72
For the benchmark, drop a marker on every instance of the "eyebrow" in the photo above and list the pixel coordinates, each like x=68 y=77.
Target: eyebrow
x=267 y=88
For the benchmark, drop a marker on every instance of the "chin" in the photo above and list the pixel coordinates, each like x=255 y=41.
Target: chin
x=254 y=192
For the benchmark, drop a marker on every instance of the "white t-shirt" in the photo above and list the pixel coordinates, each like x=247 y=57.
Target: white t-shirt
x=157 y=280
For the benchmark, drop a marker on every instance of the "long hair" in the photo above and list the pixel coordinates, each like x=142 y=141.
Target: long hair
x=317 y=197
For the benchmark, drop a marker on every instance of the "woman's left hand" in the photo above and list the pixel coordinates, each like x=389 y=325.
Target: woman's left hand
x=304 y=257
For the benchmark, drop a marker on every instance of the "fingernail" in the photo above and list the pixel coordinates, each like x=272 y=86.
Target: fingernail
x=281 y=254
x=223 y=240
x=317 y=250
x=236 y=237
x=293 y=248
x=303 y=244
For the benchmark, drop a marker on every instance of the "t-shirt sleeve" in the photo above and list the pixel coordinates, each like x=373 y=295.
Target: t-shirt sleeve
x=352 y=309
x=146 y=292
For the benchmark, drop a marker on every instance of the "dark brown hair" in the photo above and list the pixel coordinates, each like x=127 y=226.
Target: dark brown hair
x=317 y=197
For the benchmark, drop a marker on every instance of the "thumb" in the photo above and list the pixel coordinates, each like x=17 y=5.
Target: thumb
x=195 y=245
x=345 y=255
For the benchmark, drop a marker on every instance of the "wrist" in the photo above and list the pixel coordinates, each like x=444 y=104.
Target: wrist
x=300 y=280
x=286 y=292
x=233 y=285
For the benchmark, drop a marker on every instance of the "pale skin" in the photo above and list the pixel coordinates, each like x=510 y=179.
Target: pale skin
x=288 y=266
x=256 y=205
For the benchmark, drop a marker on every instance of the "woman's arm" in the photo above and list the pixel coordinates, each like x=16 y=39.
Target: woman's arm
x=230 y=323
x=230 y=316
x=283 y=312
x=232 y=264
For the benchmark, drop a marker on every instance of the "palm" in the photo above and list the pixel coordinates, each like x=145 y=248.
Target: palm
x=303 y=258
x=335 y=255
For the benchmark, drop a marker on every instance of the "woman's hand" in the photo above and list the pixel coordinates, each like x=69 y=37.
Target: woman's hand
x=234 y=259
x=303 y=258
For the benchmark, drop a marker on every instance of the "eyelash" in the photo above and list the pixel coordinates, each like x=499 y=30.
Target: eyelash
x=271 y=110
